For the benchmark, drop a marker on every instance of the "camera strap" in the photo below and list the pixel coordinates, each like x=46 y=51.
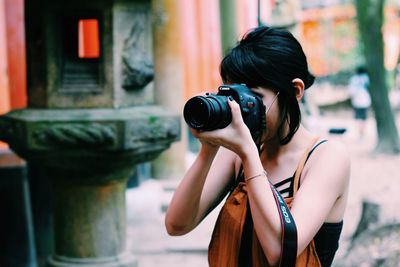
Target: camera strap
x=289 y=232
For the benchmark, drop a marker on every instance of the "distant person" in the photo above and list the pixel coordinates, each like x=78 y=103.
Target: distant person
x=284 y=160
x=360 y=98
x=397 y=88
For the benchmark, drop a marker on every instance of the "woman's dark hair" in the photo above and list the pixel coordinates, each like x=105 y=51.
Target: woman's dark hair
x=267 y=57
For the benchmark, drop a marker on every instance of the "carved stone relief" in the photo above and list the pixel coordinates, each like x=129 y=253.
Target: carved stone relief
x=137 y=67
x=153 y=130
x=75 y=135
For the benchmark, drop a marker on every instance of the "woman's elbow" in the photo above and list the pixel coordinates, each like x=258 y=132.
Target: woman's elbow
x=272 y=252
x=274 y=257
x=175 y=229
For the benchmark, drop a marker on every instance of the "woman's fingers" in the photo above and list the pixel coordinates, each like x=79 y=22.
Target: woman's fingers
x=194 y=132
x=235 y=109
x=206 y=136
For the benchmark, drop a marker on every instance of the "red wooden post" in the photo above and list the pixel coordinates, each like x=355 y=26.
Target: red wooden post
x=247 y=12
x=190 y=47
x=201 y=46
x=15 y=51
x=4 y=91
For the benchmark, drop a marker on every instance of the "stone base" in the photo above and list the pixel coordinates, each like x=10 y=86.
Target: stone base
x=123 y=260
x=17 y=238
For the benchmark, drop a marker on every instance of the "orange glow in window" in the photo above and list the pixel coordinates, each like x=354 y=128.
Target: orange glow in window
x=89 y=45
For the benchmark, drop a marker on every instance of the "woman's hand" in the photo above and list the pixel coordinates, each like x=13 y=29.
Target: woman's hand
x=235 y=137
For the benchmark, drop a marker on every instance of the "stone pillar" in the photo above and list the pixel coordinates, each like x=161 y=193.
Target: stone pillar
x=92 y=232
x=17 y=247
x=169 y=81
x=91 y=118
x=42 y=211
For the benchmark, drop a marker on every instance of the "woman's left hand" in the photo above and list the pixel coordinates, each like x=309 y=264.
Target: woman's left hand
x=235 y=137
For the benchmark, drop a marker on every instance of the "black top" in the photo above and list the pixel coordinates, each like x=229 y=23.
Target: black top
x=326 y=240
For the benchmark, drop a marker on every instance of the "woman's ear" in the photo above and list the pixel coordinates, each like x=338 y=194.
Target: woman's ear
x=299 y=85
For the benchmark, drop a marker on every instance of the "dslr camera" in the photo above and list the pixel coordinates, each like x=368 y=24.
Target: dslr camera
x=212 y=111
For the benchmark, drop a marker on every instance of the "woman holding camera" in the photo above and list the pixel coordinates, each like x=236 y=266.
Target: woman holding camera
x=312 y=174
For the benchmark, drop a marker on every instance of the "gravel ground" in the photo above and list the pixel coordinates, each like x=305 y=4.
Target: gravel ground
x=373 y=177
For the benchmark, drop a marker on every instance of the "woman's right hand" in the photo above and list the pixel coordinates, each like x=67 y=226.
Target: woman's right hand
x=235 y=137
x=205 y=144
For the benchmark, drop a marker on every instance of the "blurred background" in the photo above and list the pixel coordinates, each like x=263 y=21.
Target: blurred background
x=93 y=139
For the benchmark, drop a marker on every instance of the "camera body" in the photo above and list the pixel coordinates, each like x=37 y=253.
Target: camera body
x=212 y=111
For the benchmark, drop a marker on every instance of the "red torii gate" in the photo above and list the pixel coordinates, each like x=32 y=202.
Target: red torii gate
x=12 y=57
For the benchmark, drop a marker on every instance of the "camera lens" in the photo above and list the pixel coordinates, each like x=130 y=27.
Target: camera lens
x=197 y=112
x=207 y=113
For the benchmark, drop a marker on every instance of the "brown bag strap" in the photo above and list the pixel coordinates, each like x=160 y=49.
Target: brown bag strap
x=300 y=167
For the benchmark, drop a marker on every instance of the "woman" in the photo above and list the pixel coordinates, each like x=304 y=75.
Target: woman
x=272 y=63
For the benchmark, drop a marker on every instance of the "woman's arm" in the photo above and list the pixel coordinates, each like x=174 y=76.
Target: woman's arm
x=324 y=181
x=266 y=218
x=202 y=188
x=324 y=186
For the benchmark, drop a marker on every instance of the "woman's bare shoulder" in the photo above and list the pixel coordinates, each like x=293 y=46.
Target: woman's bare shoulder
x=334 y=148
x=331 y=156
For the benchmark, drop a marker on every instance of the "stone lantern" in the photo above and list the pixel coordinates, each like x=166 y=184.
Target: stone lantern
x=91 y=117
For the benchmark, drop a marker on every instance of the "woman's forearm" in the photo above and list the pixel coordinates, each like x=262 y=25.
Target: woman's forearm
x=263 y=206
x=183 y=211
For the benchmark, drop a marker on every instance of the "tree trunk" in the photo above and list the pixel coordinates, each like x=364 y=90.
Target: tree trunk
x=369 y=216
x=370 y=20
